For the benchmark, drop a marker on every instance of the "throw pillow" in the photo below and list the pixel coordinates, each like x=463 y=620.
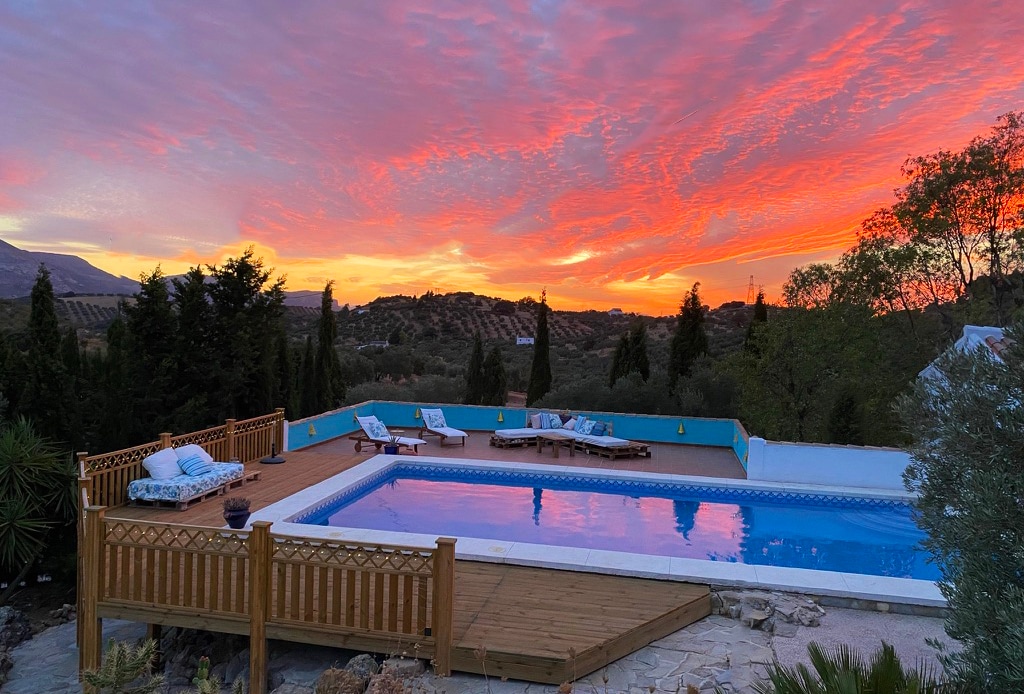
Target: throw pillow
x=580 y=422
x=378 y=430
x=535 y=421
x=162 y=465
x=570 y=425
x=192 y=449
x=586 y=427
x=194 y=465
x=434 y=419
x=554 y=421
x=598 y=429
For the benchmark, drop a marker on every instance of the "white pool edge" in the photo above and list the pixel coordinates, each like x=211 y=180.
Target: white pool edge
x=903 y=591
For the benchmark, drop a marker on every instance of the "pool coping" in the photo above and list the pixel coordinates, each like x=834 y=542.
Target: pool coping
x=884 y=589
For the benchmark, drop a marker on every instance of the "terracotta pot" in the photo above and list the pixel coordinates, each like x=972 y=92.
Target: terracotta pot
x=237 y=519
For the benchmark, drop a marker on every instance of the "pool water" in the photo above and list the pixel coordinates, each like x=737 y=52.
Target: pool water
x=824 y=532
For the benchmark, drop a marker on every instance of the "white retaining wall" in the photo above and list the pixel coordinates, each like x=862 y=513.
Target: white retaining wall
x=831 y=465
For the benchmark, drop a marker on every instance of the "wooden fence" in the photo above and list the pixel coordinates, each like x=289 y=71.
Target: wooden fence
x=384 y=599
x=103 y=479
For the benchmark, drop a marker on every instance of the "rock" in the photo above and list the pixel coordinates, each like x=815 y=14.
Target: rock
x=785 y=629
x=364 y=666
x=288 y=688
x=754 y=618
x=65 y=613
x=5 y=665
x=236 y=666
x=14 y=627
x=403 y=668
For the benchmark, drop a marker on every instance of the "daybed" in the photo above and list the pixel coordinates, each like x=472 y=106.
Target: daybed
x=580 y=428
x=374 y=431
x=434 y=424
x=185 y=475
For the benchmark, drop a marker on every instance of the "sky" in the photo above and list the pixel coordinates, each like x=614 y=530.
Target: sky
x=613 y=152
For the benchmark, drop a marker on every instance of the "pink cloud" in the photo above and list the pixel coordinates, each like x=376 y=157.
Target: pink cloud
x=658 y=139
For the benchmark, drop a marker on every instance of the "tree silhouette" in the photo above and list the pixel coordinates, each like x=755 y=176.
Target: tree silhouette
x=540 y=369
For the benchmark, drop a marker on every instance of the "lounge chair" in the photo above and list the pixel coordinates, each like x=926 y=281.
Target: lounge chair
x=374 y=431
x=434 y=425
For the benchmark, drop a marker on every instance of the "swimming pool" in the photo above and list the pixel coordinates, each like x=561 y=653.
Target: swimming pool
x=823 y=532
x=722 y=571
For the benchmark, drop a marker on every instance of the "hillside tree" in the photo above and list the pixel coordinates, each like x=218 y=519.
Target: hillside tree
x=540 y=368
x=759 y=318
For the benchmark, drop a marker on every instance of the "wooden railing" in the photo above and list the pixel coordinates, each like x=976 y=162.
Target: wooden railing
x=105 y=477
x=384 y=599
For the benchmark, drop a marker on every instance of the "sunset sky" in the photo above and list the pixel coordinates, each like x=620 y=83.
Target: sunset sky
x=613 y=152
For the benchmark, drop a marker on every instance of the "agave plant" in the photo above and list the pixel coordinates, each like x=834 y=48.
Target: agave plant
x=843 y=670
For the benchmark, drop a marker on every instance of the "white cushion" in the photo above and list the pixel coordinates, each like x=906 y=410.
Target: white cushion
x=192 y=449
x=535 y=421
x=434 y=419
x=162 y=465
x=570 y=425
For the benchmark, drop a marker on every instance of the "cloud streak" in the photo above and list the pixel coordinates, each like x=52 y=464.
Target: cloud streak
x=614 y=151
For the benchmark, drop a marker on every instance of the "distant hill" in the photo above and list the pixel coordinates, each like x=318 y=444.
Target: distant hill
x=462 y=314
x=68 y=273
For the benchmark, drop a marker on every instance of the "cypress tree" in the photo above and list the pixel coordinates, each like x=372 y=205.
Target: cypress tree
x=689 y=341
x=620 y=360
x=193 y=354
x=329 y=388
x=44 y=397
x=151 y=330
x=639 y=360
x=540 y=369
x=71 y=357
x=307 y=381
x=475 y=373
x=495 y=381
x=760 y=317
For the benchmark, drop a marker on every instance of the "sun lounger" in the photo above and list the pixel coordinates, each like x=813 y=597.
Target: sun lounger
x=374 y=431
x=434 y=424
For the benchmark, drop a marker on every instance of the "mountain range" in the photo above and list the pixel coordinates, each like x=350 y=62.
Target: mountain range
x=68 y=273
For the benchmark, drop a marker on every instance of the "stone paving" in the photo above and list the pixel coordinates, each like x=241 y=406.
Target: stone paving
x=716 y=651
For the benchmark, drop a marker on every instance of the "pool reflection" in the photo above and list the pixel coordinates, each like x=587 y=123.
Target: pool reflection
x=878 y=542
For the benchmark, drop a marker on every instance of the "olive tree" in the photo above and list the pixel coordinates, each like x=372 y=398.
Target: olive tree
x=968 y=433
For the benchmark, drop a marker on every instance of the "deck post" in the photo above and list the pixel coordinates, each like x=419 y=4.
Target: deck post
x=279 y=429
x=229 y=438
x=84 y=495
x=260 y=558
x=165 y=439
x=92 y=578
x=444 y=604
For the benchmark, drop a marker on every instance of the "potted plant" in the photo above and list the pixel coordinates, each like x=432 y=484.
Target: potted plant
x=236 y=511
x=391 y=447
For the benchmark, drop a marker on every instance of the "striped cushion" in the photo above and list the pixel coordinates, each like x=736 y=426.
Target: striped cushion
x=194 y=465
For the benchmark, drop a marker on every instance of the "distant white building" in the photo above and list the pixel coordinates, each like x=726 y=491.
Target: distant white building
x=974 y=336
x=524 y=340
x=615 y=312
x=375 y=343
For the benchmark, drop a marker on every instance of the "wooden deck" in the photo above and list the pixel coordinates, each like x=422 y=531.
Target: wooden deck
x=544 y=625
x=535 y=624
